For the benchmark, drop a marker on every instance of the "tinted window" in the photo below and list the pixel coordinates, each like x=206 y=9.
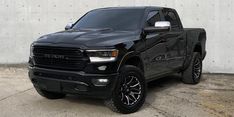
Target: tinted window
x=152 y=17
x=171 y=17
x=117 y=19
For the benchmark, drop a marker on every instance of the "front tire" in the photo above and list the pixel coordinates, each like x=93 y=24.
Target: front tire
x=130 y=92
x=192 y=74
x=49 y=95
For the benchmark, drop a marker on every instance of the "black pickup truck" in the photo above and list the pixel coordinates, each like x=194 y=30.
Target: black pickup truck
x=112 y=53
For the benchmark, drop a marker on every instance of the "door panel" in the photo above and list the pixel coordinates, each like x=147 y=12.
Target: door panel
x=176 y=40
x=156 y=55
x=175 y=49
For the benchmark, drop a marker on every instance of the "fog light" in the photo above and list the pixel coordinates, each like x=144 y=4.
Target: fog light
x=102 y=68
x=100 y=82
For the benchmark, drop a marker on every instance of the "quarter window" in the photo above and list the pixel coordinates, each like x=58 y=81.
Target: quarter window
x=171 y=17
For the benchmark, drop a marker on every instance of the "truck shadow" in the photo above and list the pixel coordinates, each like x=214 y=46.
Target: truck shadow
x=84 y=100
x=155 y=87
x=165 y=82
x=160 y=86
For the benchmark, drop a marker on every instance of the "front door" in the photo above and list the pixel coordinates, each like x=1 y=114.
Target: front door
x=155 y=48
x=156 y=55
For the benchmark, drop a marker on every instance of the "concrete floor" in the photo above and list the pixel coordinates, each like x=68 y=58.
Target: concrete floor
x=168 y=97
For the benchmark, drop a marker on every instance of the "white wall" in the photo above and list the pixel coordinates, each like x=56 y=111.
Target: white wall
x=22 y=21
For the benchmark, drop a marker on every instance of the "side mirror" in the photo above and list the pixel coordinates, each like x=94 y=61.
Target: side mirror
x=68 y=26
x=160 y=26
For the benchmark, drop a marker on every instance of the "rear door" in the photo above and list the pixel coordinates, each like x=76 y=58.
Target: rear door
x=175 y=41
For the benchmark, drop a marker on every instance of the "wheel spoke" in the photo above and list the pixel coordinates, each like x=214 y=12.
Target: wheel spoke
x=196 y=75
x=130 y=80
x=131 y=98
x=135 y=85
x=127 y=99
x=137 y=93
x=198 y=71
x=197 y=68
x=122 y=96
x=135 y=89
x=135 y=99
x=197 y=63
x=130 y=90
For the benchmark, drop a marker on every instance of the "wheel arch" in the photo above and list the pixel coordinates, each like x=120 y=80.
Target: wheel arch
x=196 y=44
x=132 y=59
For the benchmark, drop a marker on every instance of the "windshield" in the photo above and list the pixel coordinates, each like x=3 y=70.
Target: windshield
x=116 y=19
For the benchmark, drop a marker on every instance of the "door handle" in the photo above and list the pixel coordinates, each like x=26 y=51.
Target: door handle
x=162 y=41
x=181 y=39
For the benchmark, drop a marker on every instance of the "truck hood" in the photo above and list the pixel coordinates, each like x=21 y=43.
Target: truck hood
x=89 y=38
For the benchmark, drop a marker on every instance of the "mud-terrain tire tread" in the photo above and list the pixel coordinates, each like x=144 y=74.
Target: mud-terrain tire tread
x=116 y=107
x=187 y=74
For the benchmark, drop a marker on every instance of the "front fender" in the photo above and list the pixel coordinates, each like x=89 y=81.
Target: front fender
x=126 y=57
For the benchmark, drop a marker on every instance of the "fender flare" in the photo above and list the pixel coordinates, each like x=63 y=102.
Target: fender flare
x=127 y=56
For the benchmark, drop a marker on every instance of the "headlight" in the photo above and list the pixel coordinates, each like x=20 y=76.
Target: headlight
x=31 y=50
x=102 y=55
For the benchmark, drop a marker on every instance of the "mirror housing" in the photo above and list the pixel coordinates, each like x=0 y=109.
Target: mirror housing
x=69 y=26
x=160 y=26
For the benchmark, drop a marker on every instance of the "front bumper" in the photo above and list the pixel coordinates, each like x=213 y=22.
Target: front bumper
x=72 y=82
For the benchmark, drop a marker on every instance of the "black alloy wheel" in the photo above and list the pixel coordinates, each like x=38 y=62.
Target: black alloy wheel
x=130 y=91
x=192 y=74
x=197 y=68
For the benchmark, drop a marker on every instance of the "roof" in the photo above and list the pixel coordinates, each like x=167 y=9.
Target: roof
x=135 y=7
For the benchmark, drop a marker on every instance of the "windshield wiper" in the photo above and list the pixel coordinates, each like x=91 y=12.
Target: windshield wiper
x=94 y=29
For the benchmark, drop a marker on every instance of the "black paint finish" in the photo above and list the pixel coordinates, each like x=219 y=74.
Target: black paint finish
x=157 y=53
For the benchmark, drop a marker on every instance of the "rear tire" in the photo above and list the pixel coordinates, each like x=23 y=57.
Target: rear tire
x=192 y=74
x=130 y=91
x=50 y=95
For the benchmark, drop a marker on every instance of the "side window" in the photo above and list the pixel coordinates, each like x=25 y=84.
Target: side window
x=171 y=17
x=152 y=17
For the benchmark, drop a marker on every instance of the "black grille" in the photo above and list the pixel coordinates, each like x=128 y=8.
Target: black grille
x=59 y=58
